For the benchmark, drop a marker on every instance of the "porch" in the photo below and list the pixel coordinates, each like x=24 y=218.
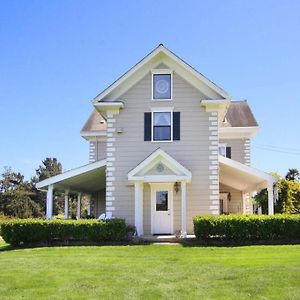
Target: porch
x=238 y=182
x=86 y=181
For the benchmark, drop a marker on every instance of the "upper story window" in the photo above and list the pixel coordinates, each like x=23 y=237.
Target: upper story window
x=224 y=150
x=162 y=126
x=162 y=85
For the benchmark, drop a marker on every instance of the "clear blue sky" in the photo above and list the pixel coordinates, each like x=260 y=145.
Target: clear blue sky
x=55 y=56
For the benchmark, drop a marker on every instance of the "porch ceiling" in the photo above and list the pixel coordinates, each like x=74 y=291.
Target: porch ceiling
x=242 y=177
x=86 y=179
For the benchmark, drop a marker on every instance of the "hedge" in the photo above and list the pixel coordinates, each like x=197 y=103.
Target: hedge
x=27 y=231
x=247 y=227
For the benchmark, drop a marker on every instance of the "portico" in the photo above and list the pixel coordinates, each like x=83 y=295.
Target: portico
x=165 y=176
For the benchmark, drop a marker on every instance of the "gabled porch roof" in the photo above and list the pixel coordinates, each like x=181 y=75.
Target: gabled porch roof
x=242 y=177
x=159 y=167
x=87 y=179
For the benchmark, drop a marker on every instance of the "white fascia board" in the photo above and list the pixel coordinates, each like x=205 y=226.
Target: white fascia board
x=246 y=169
x=86 y=134
x=147 y=59
x=219 y=105
x=237 y=132
x=108 y=105
x=71 y=173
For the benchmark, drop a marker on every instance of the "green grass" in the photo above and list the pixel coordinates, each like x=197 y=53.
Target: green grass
x=150 y=272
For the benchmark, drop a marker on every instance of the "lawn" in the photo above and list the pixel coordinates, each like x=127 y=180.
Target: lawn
x=150 y=272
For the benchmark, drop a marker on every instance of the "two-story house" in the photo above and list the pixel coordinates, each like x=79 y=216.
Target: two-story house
x=165 y=144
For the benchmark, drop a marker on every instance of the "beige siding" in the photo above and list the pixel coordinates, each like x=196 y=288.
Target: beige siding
x=235 y=205
x=97 y=151
x=192 y=151
x=99 y=203
x=240 y=149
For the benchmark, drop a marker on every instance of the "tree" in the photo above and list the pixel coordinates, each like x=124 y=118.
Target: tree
x=288 y=201
x=293 y=174
x=50 y=167
x=17 y=197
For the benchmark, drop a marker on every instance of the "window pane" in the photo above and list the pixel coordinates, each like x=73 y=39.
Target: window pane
x=162 y=86
x=162 y=118
x=162 y=201
x=162 y=133
x=222 y=150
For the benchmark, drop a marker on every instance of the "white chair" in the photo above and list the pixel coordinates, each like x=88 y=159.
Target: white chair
x=108 y=215
x=102 y=217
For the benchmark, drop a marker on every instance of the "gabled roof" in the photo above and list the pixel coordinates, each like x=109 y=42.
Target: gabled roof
x=159 y=156
x=239 y=114
x=197 y=79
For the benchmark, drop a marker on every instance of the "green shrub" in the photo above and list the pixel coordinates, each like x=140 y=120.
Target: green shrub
x=247 y=227
x=17 y=231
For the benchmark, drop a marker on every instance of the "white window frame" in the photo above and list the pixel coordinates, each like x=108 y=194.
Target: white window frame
x=161 y=110
x=161 y=72
x=222 y=145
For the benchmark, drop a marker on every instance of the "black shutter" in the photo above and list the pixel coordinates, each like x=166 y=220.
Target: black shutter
x=147 y=126
x=176 y=126
x=228 y=152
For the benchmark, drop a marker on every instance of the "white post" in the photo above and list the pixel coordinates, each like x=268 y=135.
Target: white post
x=138 y=207
x=66 y=204
x=270 y=199
x=78 y=206
x=89 y=204
x=49 y=203
x=183 y=209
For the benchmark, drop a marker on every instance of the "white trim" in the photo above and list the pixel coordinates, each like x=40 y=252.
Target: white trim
x=159 y=187
x=162 y=110
x=161 y=72
x=108 y=105
x=183 y=210
x=86 y=134
x=71 y=173
x=237 y=132
x=147 y=59
x=255 y=172
x=159 y=154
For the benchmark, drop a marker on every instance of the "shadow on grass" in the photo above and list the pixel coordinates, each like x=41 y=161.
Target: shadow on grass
x=141 y=242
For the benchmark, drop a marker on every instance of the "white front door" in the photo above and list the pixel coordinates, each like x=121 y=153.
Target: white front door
x=162 y=209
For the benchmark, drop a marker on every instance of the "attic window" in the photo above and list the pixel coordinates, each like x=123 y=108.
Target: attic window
x=162 y=85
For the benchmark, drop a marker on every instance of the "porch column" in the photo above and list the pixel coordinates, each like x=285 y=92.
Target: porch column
x=49 y=203
x=78 y=206
x=270 y=198
x=183 y=209
x=89 y=199
x=67 y=204
x=138 y=207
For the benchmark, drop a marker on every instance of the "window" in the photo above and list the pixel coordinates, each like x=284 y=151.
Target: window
x=162 y=127
x=162 y=201
x=224 y=150
x=161 y=85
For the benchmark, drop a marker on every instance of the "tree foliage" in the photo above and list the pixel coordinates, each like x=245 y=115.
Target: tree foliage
x=293 y=174
x=17 y=196
x=20 y=198
x=50 y=167
x=288 y=201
